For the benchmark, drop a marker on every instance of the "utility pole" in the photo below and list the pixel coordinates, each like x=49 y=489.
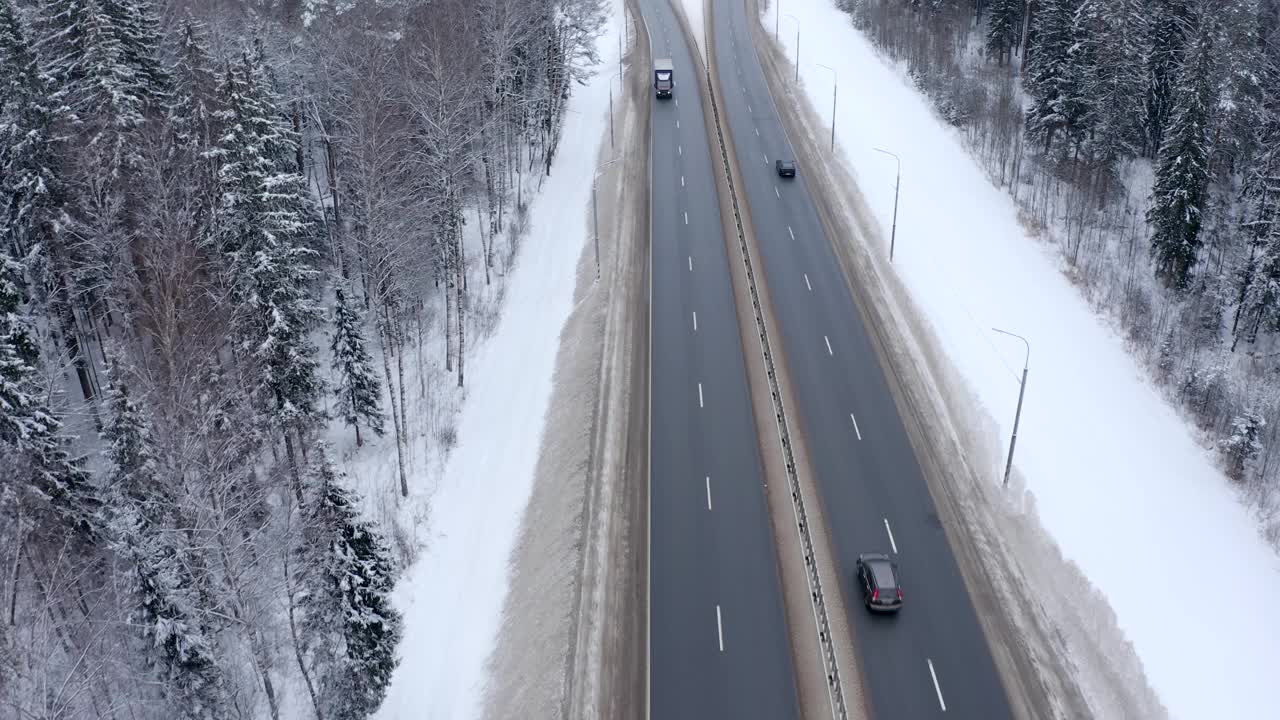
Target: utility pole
x=897 y=181
x=1022 y=389
x=595 y=217
x=835 y=85
x=797 y=22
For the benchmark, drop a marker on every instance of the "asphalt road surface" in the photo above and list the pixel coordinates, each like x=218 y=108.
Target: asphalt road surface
x=718 y=644
x=931 y=658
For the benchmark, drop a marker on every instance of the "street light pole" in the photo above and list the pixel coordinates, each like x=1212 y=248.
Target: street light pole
x=835 y=85
x=1022 y=389
x=797 y=21
x=897 y=181
x=617 y=75
x=595 y=218
x=777 y=13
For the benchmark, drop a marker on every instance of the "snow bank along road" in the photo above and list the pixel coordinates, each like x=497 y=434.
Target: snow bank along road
x=718 y=646
x=933 y=657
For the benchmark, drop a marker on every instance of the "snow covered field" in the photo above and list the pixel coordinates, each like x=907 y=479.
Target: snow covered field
x=452 y=597
x=1116 y=476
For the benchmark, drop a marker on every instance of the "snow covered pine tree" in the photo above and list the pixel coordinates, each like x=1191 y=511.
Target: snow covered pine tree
x=358 y=394
x=349 y=630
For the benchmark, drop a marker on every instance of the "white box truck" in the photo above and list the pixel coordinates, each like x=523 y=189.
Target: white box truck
x=663 y=77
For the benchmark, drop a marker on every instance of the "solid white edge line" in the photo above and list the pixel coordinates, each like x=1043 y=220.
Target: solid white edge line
x=892 y=544
x=720 y=634
x=936 y=687
x=806 y=282
x=708 y=492
x=827 y=340
x=700 y=395
x=855 y=425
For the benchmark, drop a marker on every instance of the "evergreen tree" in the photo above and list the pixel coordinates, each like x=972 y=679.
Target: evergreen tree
x=1238 y=115
x=137 y=30
x=264 y=223
x=30 y=433
x=193 y=103
x=105 y=97
x=350 y=630
x=1053 y=81
x=179 y=645
x=1182 y=172
x=134 y=471
x=359 y=397
x=31 y=192
x=1170 y=23
x=1244 y=444
x=1259 y=281
x=1115 y=34
x=1004 y=28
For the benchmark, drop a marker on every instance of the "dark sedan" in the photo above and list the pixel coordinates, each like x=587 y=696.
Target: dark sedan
x=878 y=576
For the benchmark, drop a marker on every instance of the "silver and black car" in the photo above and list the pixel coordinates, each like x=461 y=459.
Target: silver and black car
x=878 y=576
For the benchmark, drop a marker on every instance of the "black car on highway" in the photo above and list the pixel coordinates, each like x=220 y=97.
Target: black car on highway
x=786 y=168
x=878 y=577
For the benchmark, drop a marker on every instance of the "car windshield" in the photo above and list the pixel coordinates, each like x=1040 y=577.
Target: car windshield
x=883 y=574
x=787 y=165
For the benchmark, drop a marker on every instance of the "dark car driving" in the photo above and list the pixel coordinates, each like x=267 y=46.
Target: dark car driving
x=786 y=168
x=878 y=576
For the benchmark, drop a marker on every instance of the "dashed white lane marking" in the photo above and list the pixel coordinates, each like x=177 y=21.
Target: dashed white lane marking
x=806 y=281
x=757 y=132
x=677 y=102
x=892 y=544
x=932 y=674
x=677 y=124
x=793 y=235
x=851 y=417
x=749 y=108
x=720 y=633
x=766 y=158
x=828 y=342
x=700 y=397
x=681 y=181
x=709 y=492
x=775 y=192
x=690 y=263
x=686 y=217
x=679 y=149
x=695 y=321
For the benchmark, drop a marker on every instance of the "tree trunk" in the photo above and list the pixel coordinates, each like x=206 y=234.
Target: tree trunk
x=395 y=415
x=461 y=310
x=297 y=649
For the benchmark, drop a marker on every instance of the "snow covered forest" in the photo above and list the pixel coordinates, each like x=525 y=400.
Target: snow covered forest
x=1142 y=138
x=225 y=228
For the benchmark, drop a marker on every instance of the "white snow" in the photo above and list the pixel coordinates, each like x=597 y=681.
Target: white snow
x=452 y=597
x=1118 y=479
x=693 y=13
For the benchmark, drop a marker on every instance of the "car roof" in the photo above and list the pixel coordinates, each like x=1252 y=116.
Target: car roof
x=788 y=163
x=882 y=569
